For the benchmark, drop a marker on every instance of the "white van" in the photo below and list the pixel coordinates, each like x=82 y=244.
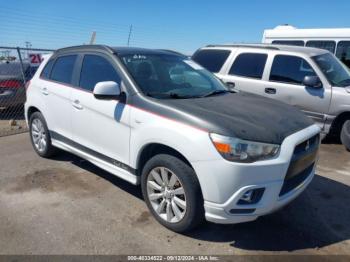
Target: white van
x=335 y=40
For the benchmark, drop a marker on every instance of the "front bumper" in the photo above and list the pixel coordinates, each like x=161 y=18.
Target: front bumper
x=223 y=183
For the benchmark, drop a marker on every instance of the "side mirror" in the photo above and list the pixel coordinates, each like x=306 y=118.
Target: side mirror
x=312 y=81
x=107 y=90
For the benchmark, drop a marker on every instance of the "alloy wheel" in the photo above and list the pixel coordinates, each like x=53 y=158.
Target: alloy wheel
x=166 y=194
x=39 y=135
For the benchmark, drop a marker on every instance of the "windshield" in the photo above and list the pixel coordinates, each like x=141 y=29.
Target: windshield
x=171 y=76
x=336 y=73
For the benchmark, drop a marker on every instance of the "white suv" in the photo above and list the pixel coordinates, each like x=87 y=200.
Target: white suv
x=156 y=118
x=312 y=79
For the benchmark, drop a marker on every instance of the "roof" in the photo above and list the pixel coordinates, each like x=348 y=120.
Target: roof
x=287 y=31
x=85 y=48
x=117 y=50
x=298 y=49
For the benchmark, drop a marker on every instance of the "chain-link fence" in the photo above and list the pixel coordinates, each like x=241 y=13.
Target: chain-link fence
x=17 y=67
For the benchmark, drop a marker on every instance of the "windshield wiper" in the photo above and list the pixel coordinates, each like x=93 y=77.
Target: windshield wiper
x=168 y=95
x=215 y=92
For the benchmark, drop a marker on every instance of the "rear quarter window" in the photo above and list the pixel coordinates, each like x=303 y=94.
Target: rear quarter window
x=210 y=59
x=47 y=70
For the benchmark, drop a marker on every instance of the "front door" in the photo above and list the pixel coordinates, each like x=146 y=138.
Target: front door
x=100 y=127
x=285 y=83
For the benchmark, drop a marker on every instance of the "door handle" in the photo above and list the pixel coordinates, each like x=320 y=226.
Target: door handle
x=44 y=91
x=77 y=105
x=270 y=91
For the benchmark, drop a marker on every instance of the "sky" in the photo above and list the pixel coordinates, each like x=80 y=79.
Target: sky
x=176 y=24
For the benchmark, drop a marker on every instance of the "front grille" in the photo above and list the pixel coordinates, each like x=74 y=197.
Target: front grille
x=301 y=165
x=311 y=142
x=291 y=183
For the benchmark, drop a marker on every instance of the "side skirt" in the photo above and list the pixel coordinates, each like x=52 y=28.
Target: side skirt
x=102 y=163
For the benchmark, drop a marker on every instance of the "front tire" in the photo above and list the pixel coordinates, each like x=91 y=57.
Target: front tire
x=172 y=193
x=345 y=135
x=40 y=136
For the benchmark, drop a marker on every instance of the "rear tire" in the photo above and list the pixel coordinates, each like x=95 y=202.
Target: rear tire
x=40 y=136
x=345 y=135
x=172 y=193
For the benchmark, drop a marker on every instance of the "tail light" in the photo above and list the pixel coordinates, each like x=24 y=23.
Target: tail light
x=11 y=83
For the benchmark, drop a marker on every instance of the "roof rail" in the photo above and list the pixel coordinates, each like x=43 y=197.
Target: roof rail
x=247 y=45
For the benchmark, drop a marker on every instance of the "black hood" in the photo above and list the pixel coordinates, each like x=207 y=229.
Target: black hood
x=243 y=115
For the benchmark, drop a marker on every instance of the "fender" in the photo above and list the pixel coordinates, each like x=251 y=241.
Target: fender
x=148 y=128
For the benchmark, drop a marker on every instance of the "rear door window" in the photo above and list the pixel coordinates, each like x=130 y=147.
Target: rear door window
x=211 y=59
x=96 y=69
x=62 y=70
x=343 y=52
x=327 y=45
x=249 y=65
x=290 y=69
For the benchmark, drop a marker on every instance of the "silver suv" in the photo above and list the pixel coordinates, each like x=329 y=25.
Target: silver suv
x=311 y=79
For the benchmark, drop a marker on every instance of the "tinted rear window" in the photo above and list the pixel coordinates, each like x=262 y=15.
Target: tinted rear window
x=47 y=69
x=288 y=42
x=249 y=65
x=212 y=60
x=62 y=70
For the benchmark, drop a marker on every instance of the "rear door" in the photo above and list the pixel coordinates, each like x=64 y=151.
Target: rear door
x=246 y=71
x=101 y=127
x=55 y=87
x=284 y=83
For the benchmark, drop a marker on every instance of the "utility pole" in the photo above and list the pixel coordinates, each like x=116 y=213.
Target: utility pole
x=93 y=38
x=130 y=31
x=28 y=45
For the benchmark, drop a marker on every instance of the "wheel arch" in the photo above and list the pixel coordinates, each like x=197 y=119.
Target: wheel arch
x=150 y=150
x=338 y=122
x=31 y=110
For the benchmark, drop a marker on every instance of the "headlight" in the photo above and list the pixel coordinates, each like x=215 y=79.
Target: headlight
x=237 y=150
